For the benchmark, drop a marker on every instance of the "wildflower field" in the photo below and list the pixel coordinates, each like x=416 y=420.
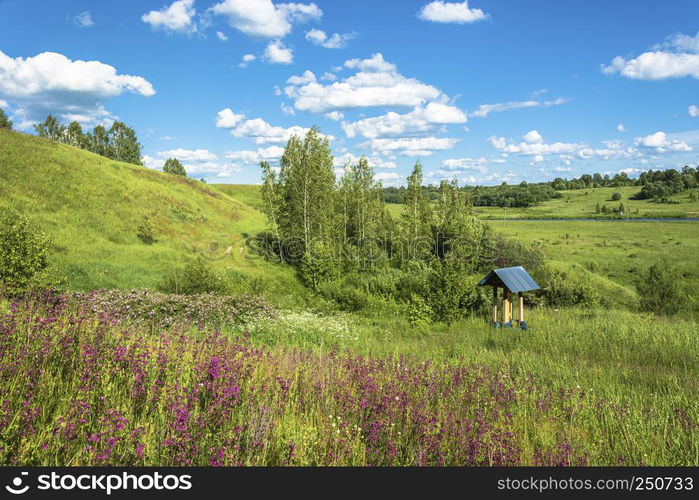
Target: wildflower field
x=84 y=382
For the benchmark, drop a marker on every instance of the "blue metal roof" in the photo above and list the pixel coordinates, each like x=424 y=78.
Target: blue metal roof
x=515 y=279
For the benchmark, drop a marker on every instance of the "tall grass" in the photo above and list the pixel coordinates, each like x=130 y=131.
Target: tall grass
x=84 y=388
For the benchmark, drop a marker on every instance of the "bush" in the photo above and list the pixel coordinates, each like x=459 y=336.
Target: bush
x=347 y=297
x=616 y=196
x=419 y=311
x=560 y=289
x=23 y=254
x=452 y=294
x=197 y=277
x=511 y=253
x=144 y=231
x=660 y=290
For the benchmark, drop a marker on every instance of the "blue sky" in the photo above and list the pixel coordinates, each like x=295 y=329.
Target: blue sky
x=485 y=91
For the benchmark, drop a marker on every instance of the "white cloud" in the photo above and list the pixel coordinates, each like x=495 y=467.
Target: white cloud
x=419 y=146
x=660 y=143
x=450 y=12
x=226 y=118
x=221 y=36
x=257 y=129
x=177 y=17
x=533 y=137
x=188 y=155
x=533 y=148
x=456 y=165
x=270 y=154
x=287 y=110
x=374 y=161
x=386 y=176
x=693 y=111
x=84 y=19
x=277 y=53
x=676 y=58
x=334 y=41
x=246 y=59
x=328 y=77
x=52 y=83
x=562 y=169
x=419 y=121
x=335 y=115
x=655 y=66
x=621 y=128
x=376 y=84
x=306 y=77
x=485 y=109
x=264 y=19
x=3 y=104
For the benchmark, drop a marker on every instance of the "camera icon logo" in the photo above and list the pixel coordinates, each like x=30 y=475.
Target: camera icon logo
x=16 y=488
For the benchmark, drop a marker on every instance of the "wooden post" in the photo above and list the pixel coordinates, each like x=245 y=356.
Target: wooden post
x=521 y=308
x=506 y=307
x=495 y=304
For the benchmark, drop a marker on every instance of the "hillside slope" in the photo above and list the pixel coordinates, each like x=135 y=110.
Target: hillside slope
x=92 y=208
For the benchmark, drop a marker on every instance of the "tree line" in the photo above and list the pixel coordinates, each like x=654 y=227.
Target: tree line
x=655 y=184
x=118 y=142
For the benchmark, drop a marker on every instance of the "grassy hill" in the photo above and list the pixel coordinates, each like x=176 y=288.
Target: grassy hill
x=92 y=207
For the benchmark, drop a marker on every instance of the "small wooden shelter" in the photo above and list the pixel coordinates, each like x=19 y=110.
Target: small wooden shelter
x=513 y=281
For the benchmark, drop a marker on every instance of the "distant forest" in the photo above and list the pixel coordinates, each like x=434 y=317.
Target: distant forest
x=655 y=184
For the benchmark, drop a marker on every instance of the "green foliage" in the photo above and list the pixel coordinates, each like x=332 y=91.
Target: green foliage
x=50 y=128
x=562 y=289
x=73 y=135
x=173 y=166
x=196 y=277
x=145 y=231
x=509 y=252
x=452 y=294
x=5 y=122
x=660 y=290
x=123 y=144
x=616 y=196
x=419 y=311
x=347 y=296
x=23 y=254
x=318 y=264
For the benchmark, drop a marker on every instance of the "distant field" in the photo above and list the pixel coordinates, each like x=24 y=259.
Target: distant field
x=581 y=204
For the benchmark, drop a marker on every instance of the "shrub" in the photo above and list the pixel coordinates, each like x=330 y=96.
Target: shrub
x=560 y=289
x=196 y=277
x=419 y=311
x=144 y=231
x=23 y=254
x=616 y=196
x=347 y=297
x=452 y=294
x=510 y=253
x=173 y=166
x=660 y=290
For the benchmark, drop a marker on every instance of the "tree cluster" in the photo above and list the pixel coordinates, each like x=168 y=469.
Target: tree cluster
x=118 y=142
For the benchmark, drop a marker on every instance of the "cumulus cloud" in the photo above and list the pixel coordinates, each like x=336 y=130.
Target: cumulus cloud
x=416 y=146
x=377 y=83
x=84 y=19
x=485 y=109
x=246 y=59
x=620 y=128
x=176 y=17
x=264 y=19
x=249 y=157
x=51 y=83
x=221 y=36
x=660 y=143
x=335 y=115
x=693 y=111
x=188 y=154
x=277 y=53
x=226 y=118
x=450 y=12
x=257 y=129
x=533 y=144
x=423 y=119
x=676 y=58
x=334 y=41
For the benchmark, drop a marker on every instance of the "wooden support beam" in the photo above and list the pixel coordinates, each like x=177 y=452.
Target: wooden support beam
x=495 y=304
x=521 y=308
x=506 y=311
